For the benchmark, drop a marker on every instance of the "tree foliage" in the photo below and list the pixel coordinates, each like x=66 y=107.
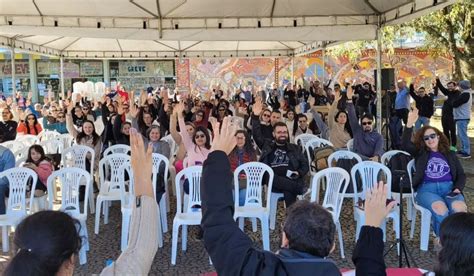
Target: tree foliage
x=447 y=31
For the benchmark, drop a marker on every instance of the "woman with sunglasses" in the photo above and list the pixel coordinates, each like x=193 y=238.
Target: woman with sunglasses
x=439 y=177
x=29 y=126
x=59 y=123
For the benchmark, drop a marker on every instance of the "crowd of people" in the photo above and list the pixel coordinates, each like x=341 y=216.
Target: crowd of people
x=222 y=130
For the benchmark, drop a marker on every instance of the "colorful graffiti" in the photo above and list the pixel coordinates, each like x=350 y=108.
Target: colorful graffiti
x=414 y=66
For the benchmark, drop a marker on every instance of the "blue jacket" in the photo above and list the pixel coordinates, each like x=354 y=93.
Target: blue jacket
x=59 y=127
x=7 y=161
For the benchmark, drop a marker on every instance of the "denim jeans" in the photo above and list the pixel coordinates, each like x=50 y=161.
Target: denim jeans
x=3 y=188
x=461 y=125
x=430 y=192
x=395 y=127
x=422 y=121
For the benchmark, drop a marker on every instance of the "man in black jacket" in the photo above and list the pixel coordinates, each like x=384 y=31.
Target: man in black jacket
x=424 y=104
x=308 y=233
x=287 y=161
x=447 y=117
x=7 y=126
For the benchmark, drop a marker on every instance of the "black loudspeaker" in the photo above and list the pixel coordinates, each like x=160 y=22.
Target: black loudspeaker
x=388 y=78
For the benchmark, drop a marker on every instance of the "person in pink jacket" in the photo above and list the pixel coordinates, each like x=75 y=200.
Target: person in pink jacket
x=38 y=162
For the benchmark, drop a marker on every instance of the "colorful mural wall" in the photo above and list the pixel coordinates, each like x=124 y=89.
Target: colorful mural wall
x=412 y=65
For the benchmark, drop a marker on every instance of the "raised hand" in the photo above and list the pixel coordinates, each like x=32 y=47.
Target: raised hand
x=224 y=137
x=350 y=92
x=133 y=110
x=376 y=208
x=178 y=109
x=141 y=162
x=412 y=117
x=257 y=107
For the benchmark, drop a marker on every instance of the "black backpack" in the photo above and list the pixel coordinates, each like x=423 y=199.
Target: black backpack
x=347 y=164
x=398 y=166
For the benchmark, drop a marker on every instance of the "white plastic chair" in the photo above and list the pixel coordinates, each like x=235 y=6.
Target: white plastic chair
x=20 y=161
x=368 y=172
x=337 y=180
x=75 y=156
x=385 y=159
x=120 y=148
x=52 y=146
x=186 y=211
x=70 y=180
x=425 y=214
x=158 y=161
x=274 y=198
x=16 y=208
x=343 y=154
x=66 y=139
x=47 y=135
x=253 y=208
x=302 y=139
x=109 y=184
x=172 y=170
x=16 y=147
x=28 y=139
x=127 y=199
x=350 y=145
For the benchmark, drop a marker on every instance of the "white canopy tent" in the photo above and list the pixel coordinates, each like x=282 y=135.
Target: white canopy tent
x=108 y=29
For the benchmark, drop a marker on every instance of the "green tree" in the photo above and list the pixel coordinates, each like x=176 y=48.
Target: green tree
x=447 y=31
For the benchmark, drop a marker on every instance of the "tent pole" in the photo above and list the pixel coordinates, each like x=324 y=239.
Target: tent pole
x=292 y=70
x=324 y=65
x=61 y=75
x=13 y=70
x=379 y=79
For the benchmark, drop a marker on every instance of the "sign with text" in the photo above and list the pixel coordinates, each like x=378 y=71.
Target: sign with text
x=22 y=69
x=91 y=68
x=139 y=68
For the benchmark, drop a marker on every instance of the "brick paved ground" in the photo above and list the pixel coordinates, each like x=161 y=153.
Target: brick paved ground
x=195 y=260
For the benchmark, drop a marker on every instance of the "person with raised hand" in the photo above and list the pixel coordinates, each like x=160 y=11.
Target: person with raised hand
x=368 y=253
x=142 y=241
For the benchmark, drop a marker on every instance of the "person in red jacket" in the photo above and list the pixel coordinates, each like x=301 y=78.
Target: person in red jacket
x=29 y=126
x=38 y=162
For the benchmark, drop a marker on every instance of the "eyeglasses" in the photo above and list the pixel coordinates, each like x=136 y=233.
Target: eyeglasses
x=432 y=136
x=200 y=136
x=266 y=115
x=367 y=123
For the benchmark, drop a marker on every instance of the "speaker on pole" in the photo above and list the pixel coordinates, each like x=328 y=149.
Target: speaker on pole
x=388 y=78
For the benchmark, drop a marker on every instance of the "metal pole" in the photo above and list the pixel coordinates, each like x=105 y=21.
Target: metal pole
x=292 y=70
x=379 y=79
x=61 y=75
x=33 y=78
x=13 y=71
x=324 y=65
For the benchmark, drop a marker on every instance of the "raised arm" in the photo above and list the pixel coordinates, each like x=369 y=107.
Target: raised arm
x=353 y=121
x=320 y=124
x=441 y=87
x=188 y=143
x=69 y=123
x=174 y=133
x=142 y=244
x=256 y=128
x=413 y=94
x=407 y=144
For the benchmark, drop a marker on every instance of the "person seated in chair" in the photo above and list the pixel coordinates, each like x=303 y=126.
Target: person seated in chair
x=368 y=143
x=287 y=161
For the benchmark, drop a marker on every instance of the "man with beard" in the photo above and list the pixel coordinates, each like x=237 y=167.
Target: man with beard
x=367 y=142
x=287 y=161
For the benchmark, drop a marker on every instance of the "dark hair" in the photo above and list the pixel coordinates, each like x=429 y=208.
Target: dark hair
x=141 y=124
x=248 y=146
x=148 y=131
x=45 y=240
x=443 y=143
x=309 y=228
x=206 y=133
x=39 y=149
x=456 y=257
x=276 y=111
x=81 y=135
x=367 y=116
x=347 y=125
x=279 y=124
x=451 y=82
x=9 y=111
x=35 y=124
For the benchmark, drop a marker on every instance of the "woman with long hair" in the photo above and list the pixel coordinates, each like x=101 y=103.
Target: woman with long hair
x=47 y=242
x=30 y=125
x=243 y=152
x=38 y=162
x=439 y=177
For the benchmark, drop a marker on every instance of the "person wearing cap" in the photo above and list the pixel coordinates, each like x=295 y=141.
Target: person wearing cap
x=462 y=115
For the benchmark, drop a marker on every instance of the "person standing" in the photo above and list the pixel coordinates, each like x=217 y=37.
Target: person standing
x=462 y=115
x=402 y=105
x=447 y=117
x=425 y=105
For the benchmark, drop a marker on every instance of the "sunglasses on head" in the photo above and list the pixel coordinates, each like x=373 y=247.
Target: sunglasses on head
x=430 y=136
x=367 y=123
